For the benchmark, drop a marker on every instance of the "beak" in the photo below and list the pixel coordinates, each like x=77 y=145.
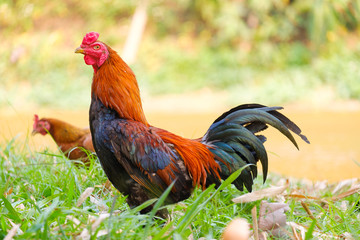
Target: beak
x=80 y=50
x=34 y=132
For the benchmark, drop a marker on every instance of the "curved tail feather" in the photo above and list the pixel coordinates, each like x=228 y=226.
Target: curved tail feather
x=234 y=141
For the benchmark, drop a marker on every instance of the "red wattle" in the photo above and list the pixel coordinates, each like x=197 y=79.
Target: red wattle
x=89 y=60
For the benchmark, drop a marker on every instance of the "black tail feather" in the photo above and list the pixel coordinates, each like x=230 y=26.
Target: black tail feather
x=231 y=138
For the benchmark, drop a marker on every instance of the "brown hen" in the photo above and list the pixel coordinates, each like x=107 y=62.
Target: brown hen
x=71 y=139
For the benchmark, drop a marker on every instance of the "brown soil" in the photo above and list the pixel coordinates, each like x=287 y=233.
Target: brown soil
x=333 y=131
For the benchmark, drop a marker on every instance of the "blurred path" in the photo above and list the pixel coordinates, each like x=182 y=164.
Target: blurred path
x=334 y=137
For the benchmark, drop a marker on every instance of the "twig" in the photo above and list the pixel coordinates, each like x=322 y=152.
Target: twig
x=255 y=223
x=301 y=196
x=347 y=193
x=305 y=206
x=296 y=236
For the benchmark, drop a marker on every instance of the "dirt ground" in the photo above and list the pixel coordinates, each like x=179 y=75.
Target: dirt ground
x=332 y=128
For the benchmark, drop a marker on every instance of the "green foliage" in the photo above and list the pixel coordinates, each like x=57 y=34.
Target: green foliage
x=231 y=22
x=249 y=80
x=188 y=45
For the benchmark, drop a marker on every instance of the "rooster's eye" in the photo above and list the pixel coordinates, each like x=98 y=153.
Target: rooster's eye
x=96 y=47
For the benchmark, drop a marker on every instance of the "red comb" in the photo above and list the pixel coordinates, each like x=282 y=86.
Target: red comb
x=90 y=38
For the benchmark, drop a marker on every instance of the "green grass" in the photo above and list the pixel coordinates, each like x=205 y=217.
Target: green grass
x=39 y=191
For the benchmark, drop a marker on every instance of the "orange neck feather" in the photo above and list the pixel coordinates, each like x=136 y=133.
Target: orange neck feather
x=115 y=85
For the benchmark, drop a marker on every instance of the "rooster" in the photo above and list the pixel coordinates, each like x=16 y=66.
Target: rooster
x=71 y=140
x=141 y=160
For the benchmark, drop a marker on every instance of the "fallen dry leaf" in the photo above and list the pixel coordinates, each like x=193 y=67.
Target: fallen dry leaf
x=347 y=236
x=320 y=186
x=12 y=232
x=99 y=204
x=343 y=184
x=351 y=191
x=295 y=233
x=106 y=185
x=73 y=219
x=101 y=218
x=317 y=234
x=84 y=195
x=354 y=189
x=102 y=233
x=237 y=229
x=13 y=225
x=68 y=217
x=344 y=205
x=263 y=193
x=85 y=234
x=296 y=227
x=272 y=217
x=263 y=236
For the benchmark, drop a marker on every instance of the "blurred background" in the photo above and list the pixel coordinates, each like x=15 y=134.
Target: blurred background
x=195 y=59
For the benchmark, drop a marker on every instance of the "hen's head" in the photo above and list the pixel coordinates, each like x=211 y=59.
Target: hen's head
x=95 y=52
x=41 y=126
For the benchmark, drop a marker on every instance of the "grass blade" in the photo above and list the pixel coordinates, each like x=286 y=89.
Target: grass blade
x=12 y=212
x=157 y=205
x=195 y=208
x=309 y=232
x=142 y=206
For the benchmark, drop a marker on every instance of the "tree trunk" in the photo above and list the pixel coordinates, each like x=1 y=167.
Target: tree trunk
x=137 y=28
